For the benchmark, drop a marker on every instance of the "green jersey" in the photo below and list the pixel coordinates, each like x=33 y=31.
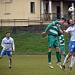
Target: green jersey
x=53 y=28
x=61 y=40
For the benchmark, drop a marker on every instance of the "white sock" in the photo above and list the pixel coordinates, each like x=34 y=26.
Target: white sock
x=9 y=62
x=65 y=60
x=72 y=61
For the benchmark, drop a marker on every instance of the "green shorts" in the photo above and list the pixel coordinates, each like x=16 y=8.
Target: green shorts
x=62 y=47
x=53 y=41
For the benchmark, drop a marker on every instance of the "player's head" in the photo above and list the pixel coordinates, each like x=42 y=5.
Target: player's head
x=62 y=20
x=7 y=34
x=71 y=22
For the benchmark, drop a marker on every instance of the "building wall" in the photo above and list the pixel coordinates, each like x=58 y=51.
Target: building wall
x=19 y=9
x=54 y=9
x=65 y=8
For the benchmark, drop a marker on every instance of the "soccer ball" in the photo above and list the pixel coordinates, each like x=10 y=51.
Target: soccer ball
x=71 y=9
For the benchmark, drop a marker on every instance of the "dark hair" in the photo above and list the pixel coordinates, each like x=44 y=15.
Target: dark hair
x=7 y=32
x=68 y=21
x=63 y=18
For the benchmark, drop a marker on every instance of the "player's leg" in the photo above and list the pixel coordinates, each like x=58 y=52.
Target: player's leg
x=49 y=58
x=49 y=55
x=72 y=50
x=62 y=49
x=9 y=53
x=58 y=55
x=3 y=52
x=68 y=55
x=50 y=48
x=72 y=60
x=64 y=54
x=65 y=60
x=10 y=62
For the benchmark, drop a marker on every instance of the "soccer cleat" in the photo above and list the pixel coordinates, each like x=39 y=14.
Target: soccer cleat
x=70 y=68
x=67 y=61
x=63 y=67
x=50 y=66
x=59 y=64
x=10 y=67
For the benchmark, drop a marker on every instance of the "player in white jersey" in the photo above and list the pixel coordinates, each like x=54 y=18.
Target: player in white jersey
x=71 y=53
x=8 y=46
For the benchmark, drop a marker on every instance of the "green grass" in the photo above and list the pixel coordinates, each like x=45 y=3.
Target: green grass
x=31 y=65
x=31 y=43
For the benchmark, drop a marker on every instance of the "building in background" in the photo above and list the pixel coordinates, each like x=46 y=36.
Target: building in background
x=32 y=12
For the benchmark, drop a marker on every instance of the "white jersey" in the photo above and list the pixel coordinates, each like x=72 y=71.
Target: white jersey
x=7 y=43
x=71 y=30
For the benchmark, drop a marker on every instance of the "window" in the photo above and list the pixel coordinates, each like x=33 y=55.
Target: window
x=32 y=8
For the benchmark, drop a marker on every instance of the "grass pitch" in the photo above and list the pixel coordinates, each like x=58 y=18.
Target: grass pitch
x=31 y=65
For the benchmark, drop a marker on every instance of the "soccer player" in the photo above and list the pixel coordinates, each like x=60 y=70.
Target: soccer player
x=53 y=31
x=8 y=45
x=71 y=30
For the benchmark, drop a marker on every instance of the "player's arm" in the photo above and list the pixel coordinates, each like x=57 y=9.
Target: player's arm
x=2 y=44
x=67 y=30
x=46 y=30
x=48 y=27
x=13 y=45
x=43 y=34
x=61 y=31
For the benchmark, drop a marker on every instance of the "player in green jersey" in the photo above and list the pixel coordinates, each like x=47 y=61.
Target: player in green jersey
x=53 y=30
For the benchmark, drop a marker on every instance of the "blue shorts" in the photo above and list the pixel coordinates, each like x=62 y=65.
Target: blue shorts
x=72 y=46
x=5 y=52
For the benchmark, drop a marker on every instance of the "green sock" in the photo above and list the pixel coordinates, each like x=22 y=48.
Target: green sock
x=58 y=56
x=64 y=55
x=49 y=57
